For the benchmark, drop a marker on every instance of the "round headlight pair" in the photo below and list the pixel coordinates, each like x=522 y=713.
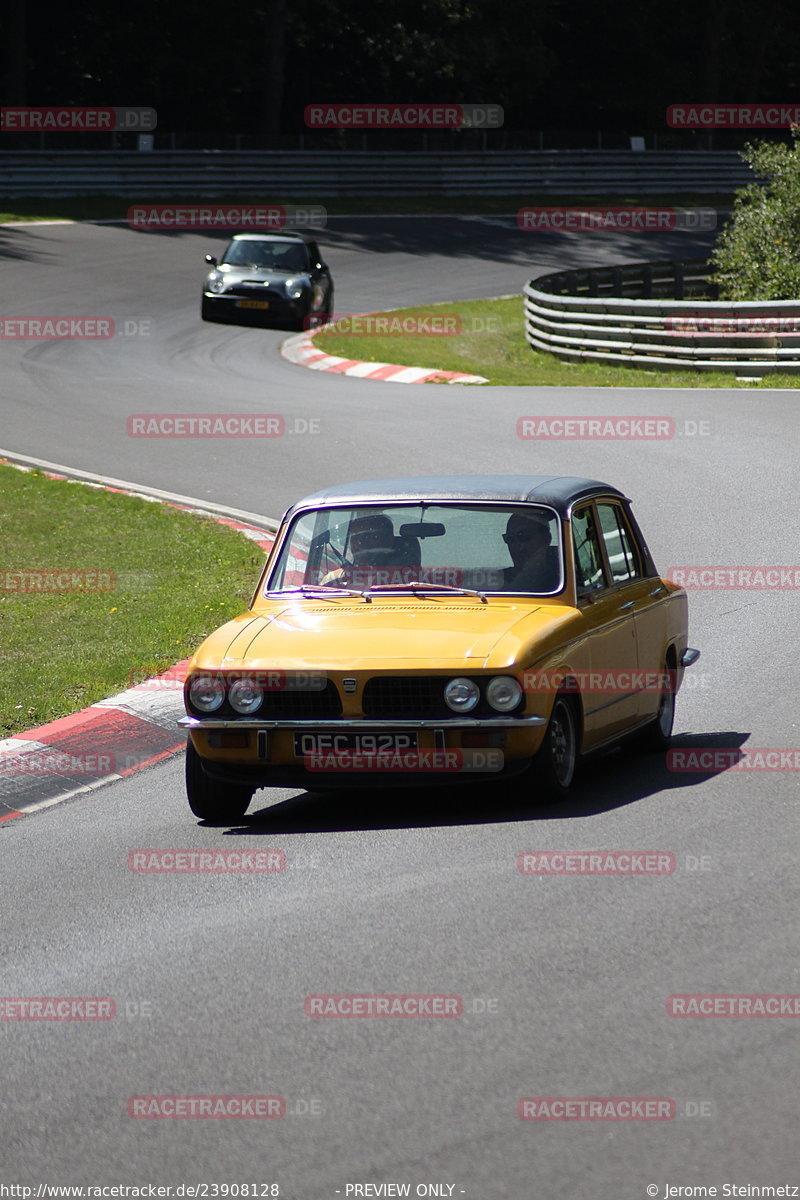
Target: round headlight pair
x=215 y=283
x=295 y=288
x=502 y=693
x=207 y=694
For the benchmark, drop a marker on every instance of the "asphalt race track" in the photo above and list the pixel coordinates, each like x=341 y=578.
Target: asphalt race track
x=564 y=980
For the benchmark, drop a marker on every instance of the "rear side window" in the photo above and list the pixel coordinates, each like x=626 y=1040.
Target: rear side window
x=622 y=557
x=588 y=558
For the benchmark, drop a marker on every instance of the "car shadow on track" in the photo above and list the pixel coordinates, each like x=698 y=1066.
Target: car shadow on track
x=609 y=781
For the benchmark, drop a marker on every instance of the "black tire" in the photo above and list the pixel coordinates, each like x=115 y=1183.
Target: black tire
x=656 y=736
x=552 y=771
x=210 y=800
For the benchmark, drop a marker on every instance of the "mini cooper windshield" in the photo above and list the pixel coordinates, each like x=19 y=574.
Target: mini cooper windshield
x=405 y=548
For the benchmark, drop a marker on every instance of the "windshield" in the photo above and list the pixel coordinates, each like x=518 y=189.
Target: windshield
x=280 y=256
x=490 y=548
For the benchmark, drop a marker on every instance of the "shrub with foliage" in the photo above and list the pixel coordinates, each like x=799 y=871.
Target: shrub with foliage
x=757 y=256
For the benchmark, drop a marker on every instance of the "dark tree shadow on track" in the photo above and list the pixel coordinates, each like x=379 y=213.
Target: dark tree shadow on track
x=613 y=780
x=21 y=244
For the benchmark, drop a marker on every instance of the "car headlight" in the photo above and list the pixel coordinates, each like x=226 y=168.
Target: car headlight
x=503 y=693
x=207 y=693
x=462 y=695
x=245 y=696
x=215 y=283
x=295 y=288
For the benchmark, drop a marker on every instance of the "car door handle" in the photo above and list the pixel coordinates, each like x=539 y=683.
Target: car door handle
x=657 y=591
x=625 y=606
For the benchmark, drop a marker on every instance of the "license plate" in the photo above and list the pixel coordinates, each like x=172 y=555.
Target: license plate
x=353 y=743
x=252 y=303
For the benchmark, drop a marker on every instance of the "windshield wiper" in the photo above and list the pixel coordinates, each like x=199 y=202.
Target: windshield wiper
x=418 y=585
x=320 y=587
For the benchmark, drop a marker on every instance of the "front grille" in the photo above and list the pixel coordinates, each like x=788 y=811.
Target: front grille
x=405 y=696
x=421 y=696
x=253 y=292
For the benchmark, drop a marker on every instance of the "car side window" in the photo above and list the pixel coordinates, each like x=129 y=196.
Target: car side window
x=622 y=558
x=589 y=574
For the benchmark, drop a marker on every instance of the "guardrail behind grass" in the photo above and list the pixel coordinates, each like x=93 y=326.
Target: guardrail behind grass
x=316 y=173
x=659 y=314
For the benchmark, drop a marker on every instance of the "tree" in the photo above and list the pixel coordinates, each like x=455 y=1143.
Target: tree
x=757 y=256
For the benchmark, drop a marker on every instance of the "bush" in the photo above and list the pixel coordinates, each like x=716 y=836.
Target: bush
x=757 y=256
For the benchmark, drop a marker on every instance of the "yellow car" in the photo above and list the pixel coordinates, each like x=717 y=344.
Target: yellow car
x=438 y=630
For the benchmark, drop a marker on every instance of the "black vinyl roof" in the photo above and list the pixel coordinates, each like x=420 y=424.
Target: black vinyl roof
x=558 y=491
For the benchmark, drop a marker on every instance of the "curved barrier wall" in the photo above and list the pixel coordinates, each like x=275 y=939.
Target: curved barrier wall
x=650 y=315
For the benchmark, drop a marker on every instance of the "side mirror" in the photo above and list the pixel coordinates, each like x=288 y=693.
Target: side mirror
x=211 y=260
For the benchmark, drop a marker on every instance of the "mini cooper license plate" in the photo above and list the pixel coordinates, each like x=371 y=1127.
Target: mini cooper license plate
x=353 y=743
x=252 y=303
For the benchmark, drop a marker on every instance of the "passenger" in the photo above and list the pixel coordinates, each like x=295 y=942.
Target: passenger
x=535 y=559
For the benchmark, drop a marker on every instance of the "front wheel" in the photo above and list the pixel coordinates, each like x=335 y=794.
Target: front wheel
x=553 y=769
x=209 y=799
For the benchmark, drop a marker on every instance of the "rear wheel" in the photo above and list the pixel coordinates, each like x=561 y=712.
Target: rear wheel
x=553 y=769
x=657 y=734
x=209 y=799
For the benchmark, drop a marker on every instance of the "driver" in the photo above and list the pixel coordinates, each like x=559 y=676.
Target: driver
x=529 y=537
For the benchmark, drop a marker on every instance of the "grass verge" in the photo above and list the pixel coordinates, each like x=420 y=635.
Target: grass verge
x=175 y=577
x=502 y=355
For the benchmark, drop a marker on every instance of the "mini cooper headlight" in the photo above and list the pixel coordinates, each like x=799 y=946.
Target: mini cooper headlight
x=295 y=288
x=462 y=695
x=215 y=283
x=245 y=696
x=207 y=693
x=503 y=693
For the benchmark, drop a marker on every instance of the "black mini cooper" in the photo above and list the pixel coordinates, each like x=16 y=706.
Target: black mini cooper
x=268 y=279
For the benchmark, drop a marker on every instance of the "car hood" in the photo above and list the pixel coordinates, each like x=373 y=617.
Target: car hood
x=242 y=274
x=441 y=633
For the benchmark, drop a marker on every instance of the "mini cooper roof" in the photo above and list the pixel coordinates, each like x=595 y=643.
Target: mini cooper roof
x=269 y=237
x=558 y=491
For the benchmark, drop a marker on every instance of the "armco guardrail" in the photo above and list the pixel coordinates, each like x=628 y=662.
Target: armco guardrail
x=312 y=174
x=650 y=315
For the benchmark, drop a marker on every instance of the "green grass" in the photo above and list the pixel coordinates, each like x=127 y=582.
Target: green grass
x=504 y=357
x=177 y=577
x=88 y=208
